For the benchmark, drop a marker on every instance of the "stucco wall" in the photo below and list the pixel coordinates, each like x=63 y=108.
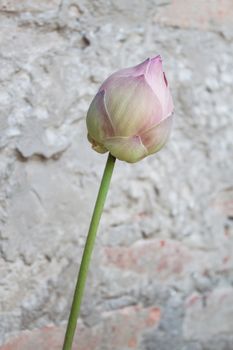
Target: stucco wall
x=162 y=272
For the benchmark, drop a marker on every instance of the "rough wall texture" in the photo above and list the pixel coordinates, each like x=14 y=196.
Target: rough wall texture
x=162 y=273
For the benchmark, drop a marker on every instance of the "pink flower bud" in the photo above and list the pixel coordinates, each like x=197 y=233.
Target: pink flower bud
x=131 y=115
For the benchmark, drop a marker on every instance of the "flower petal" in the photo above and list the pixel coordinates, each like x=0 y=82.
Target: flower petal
x=98 y=147
x=155 y=138
x=127 y=72
x=132 y=105
x=154 y=75
x=169 y=106
x=98 y=122
x=158 y=82
x=129 y=149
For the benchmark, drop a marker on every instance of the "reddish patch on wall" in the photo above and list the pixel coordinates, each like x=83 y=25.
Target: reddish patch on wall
x=146 y=256
x=226 y=259
x=193 y=299
x=153 y=317
x=132 y=343
x=162 y=243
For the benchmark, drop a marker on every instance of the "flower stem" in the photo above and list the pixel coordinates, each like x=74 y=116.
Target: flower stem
x=82 y=276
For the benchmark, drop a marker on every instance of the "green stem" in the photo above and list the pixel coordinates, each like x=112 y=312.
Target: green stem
x=82 y=276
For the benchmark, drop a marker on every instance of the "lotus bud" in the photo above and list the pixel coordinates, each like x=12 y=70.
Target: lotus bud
x=131 y=115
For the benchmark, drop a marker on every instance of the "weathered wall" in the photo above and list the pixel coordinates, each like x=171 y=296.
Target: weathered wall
x=162 y=273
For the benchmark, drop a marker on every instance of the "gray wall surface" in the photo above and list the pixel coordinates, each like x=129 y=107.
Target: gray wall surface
x=161 y=276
